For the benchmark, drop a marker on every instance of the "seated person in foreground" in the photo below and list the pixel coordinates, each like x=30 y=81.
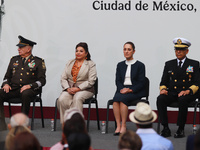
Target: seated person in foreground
x=129 y=140
x=77 y=81
x=73 y=123
x=143 y=117
x=130 y=81
x=193 y=141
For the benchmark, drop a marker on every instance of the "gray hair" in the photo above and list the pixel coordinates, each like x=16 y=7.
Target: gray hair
x=19 y=119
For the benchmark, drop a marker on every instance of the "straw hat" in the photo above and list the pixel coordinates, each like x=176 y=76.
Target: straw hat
x=143 y=114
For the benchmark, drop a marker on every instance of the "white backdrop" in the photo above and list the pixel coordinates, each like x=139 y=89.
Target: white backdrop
x=58 y=25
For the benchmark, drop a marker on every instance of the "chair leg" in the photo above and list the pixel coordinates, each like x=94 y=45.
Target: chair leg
x=55 y=116
x=107 y=116
x=33 y=115
x=10 y=113
x=42 y=116
x=158 y=127
x=88 y=119
x=97 y=112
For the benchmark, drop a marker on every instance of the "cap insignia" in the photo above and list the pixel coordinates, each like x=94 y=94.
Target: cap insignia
x=179 y=41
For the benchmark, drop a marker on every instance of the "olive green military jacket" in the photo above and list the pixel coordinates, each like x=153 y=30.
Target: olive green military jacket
x=32 y=72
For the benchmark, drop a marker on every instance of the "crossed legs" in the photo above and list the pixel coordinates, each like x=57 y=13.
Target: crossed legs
x=120 y=112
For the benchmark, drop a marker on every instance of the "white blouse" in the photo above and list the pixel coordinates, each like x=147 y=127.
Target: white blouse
x=127 y=80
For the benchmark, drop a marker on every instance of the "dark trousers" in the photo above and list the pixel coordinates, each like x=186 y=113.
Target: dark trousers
x=164 y=100
x=26 y=97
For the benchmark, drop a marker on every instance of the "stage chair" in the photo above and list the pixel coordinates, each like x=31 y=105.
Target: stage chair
x=37 y=98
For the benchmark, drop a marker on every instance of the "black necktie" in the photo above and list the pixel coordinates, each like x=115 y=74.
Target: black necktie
x=23 y=60
x=179 y=64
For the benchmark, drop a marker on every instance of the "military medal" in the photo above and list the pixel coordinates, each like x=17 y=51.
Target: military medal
x=189 y=69
x=31 y=64
x=13 y=71
x=16 y=64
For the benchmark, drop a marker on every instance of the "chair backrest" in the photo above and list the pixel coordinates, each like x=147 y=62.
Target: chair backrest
x=146 y=88
x=96 y=88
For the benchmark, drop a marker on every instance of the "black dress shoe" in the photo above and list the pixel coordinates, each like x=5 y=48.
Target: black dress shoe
x=166 y=132
x=116 y=134
x=179 y=133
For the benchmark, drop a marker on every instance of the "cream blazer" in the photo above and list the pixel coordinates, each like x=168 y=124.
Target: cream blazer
x=85 y=79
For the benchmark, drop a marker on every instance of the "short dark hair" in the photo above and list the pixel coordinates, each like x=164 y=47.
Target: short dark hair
x=74 y=125
x=131 y=43
x=130 y=140
x=79 y=141
x=144 y=126
x=85 y=47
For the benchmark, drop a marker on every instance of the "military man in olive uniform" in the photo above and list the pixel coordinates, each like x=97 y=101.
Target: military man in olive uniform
x=24 y=77
x=180 y=82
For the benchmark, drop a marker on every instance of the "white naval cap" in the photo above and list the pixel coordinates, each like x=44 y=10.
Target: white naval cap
x=181 y=43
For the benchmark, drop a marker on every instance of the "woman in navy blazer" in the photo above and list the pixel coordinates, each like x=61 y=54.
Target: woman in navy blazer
x=130 y=81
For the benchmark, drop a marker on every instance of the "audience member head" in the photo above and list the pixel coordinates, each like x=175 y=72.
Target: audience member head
x=85 y=47
x=25 y=141
x=143 y=115
x=18 y=119
x=197 y=140
x=12 y=133
x=73 y=123
x=129 y=141
x=79 y=141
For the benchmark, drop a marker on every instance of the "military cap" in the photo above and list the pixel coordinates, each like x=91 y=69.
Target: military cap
x=181 y=43
x=25 y=42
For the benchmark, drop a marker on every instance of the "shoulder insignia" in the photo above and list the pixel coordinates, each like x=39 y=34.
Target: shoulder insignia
x=43 y=65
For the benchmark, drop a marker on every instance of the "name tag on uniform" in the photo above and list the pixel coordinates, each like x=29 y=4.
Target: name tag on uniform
x=189 y=69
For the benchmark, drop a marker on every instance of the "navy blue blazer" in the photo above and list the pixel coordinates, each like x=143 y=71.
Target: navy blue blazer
x=137 y=77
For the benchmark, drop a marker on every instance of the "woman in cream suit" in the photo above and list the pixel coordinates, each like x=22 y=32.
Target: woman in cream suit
x=77 y=81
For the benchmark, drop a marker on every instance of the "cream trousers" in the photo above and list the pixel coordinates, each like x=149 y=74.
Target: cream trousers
x=67 y=101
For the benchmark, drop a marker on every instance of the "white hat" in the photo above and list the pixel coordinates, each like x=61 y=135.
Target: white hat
x=143 y=114
x=181 y=43
x=70 y=112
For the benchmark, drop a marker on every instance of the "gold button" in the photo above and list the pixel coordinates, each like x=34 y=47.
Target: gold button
x=21 y=74
x=13 y=68
x=175 y=87
x=172 y=73
x=183 y=80
x=20 y=85
x=22 y=68
x=183 y=87
x=175 y=80
x=20 y=79
x=27 y=73
x=187 y=73
x=30 y=69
